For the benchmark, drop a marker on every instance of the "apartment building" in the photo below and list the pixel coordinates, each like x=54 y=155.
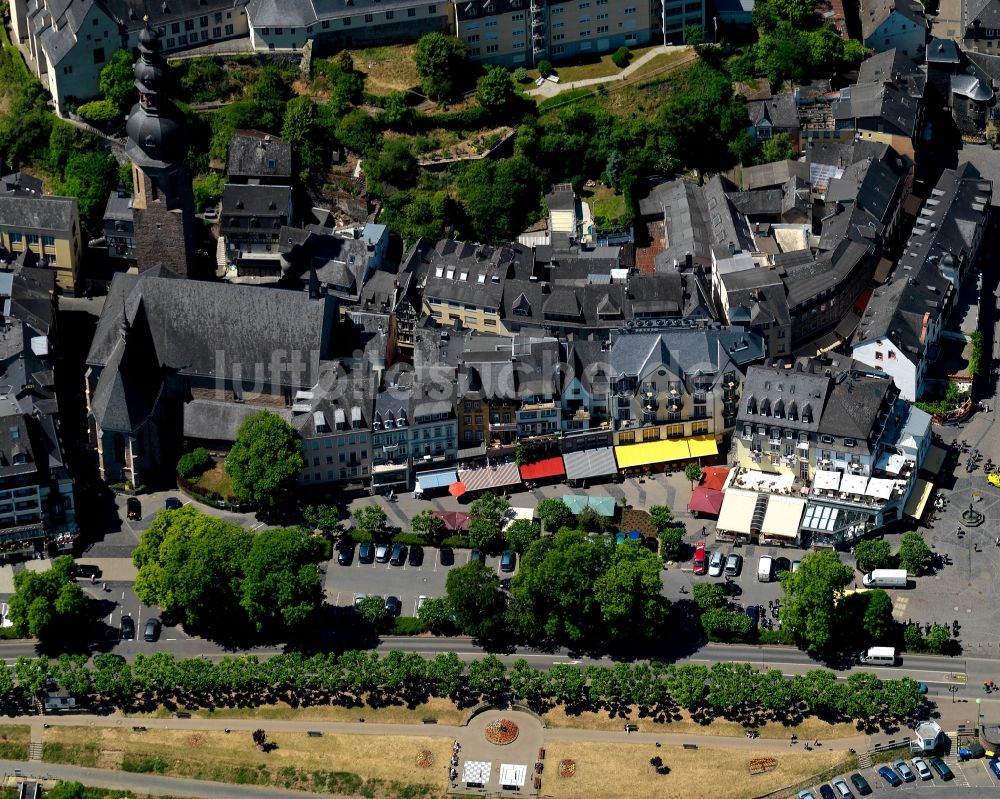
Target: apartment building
x=524 y=32
x=280 y=25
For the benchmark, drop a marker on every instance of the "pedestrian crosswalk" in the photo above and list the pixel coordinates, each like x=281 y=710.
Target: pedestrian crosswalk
x=957 y=767
x=899 y=604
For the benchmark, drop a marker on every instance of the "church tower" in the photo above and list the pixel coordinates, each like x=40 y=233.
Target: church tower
x=162 y=201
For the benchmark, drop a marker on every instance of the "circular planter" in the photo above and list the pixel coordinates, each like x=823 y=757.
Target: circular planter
x=501 y=732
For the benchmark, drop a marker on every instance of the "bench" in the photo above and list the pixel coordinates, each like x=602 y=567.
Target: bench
x=429 y=721
x=182 y=715
x=138 y=729
x=690 y=746
x=314 y=733
x=632 y=728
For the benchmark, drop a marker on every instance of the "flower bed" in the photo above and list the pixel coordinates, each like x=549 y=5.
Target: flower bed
x=425 y=759
x=567 y=768
x=501 y=732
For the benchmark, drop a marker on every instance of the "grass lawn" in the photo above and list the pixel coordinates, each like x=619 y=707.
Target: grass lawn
x=216 y=479
x=14 y=741
x=660 y=63
x=380 y=767
x=444 y=710
x=605 y=769
x=582 y=69
x=808 y=729
x=387 y=69
x=606 y=203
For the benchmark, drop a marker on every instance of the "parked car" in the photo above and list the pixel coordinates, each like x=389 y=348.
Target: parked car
x=477 y=554
x=806 y=795
x=841 y=788
x=698 y=564
x=920 y=767
x=393 y=606
x=861 y=784
x=382 y=553
x=133 y=508
x=890 y=776
x=172 y=503
x=416 y=556
x=446 y=556
x=420 y=603
x=508 y=560
x=345 y=553
x=358 y=599
x=398 y=557
x=995 y=767
x=751 y=611
x=127 y=628
x=782 y=565
x=904 y=770
x=152 y=631
x=366 y=552
x=941 y=768
x=795 y=565
x=620 y=537
x=826 y=791
x=716 y=564
x=734 y=565
x=86 y=570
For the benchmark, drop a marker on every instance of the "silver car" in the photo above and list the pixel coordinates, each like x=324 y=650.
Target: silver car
x=840 y=786
x=715 y=564
x=921 y=768
x=904 y=770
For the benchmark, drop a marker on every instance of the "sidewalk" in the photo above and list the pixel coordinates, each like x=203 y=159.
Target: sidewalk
x=550 y=89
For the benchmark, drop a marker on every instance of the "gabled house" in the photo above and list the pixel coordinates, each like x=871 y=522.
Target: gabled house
x=901 y=328
x=772 y=115
x=979 y=26
x=258 y=158
x=964 y=84
x=250 y=227
x=894 y=24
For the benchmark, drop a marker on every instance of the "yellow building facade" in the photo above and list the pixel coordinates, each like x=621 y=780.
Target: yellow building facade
x=49 y=227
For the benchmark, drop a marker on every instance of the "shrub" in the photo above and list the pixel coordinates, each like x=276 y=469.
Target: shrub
x=99 y=111
x=407 y=625
x=456 y=542
x=521 y=75
x=194 y=463
x=545 y=68
x=621 y=57
x=410 y=539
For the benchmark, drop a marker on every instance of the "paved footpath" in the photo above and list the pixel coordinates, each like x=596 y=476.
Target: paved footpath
x=550 y=89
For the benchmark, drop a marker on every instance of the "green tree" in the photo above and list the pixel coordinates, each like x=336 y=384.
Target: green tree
x=444 y=671
x=708 y=595
x=521 y=533
x=693 y=473
x=49 y=605
x=687 y=685
x=475 y=598
x=397 y=113
x=322 y=517
x=495 y=90
x=487 y=677
x=902 y=697
x=416 y=215
x=435 y=613
x=629 y=593
x=913 y=640
x=878 y=615
x=661 y=516
x=281 y=586
x=98 y=112
x=303 y=130
x=428 y=525
x=372 y=609
x=768 y=14
x=671 y=540
x=265 y=460
x=694 y=35
x=394 y=167
x=486 y=519
x=621 y=57
x=440 y=60
x=117 y=81
x=545 y=68
x=31 y=674
x=267 y=96
x=872 y=554
x=555 y=514
x=499 y=196
x=913 y=553
x=863 y=697
x=777 y=148
x=938 y=640
x=207 y=190
x=590 y=521
x=372 y=522
x=811 y=595
x=358 y=133
x=89 y=177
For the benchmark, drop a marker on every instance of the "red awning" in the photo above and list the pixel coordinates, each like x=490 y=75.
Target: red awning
x=706 y=500
x=714 y=477
x=550 y=467
x=454 y=520
x=457 y=489
x=862 y=301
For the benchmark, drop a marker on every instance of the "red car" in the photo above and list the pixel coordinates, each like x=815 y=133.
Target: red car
x=700 y=562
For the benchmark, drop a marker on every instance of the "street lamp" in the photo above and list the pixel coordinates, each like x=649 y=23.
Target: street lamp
x=953 y=689
x=979 y=703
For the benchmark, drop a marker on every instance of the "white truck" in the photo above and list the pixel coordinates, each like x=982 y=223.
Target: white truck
x=765 y=567
x=878 y=656
x=885 y=578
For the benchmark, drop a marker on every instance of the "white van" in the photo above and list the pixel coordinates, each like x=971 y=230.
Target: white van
x=885 y=578
x=765 y=569
x=878 y=656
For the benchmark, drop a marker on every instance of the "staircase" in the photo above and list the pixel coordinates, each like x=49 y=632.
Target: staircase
x=35 y=750
x=865 y=760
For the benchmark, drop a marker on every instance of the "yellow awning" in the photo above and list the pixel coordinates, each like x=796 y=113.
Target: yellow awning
x=783 y=516
x=651 y=452
x=702 y=446
x=934 y=460
x=918 y=499
x=737 y=510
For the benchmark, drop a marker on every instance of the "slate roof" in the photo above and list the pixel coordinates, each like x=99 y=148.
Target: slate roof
x=767 y=176
x=214 y=420
x=340 y=264
x=131 y=12
x=986 y=12
x=687 y=351
x=778 y=110
x=864 y=103
x=253 y=154
x=798 y=389
x=464 y=272
x=941 y=242
x=302 y=13
x=20 y=182
x=853 y=405
x=190 y=322
x=119 y=208
x=239 y=201
x=31 y=212
x=875 y=12
x=681 y=205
